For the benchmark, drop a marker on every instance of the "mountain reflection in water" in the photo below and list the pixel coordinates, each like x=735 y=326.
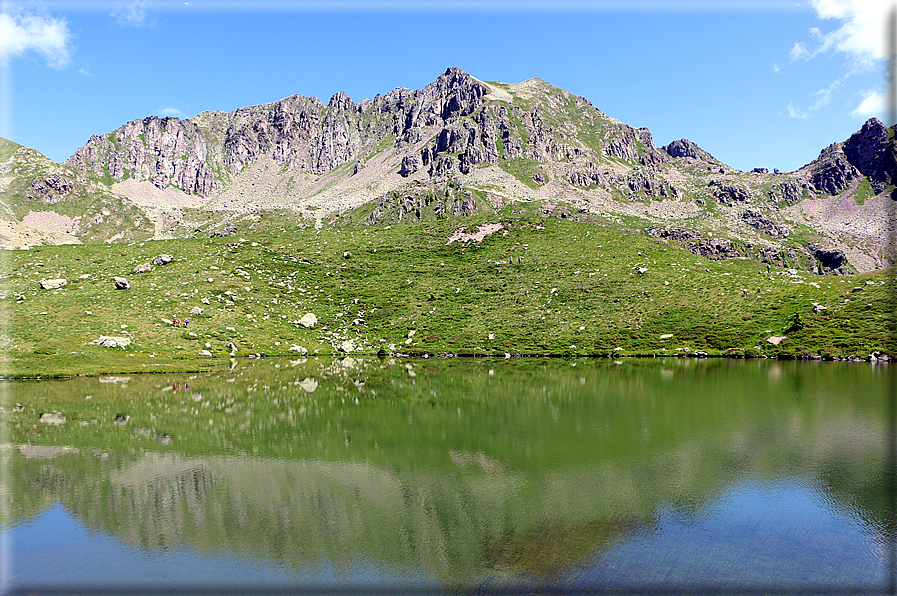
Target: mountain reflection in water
x=457 y=474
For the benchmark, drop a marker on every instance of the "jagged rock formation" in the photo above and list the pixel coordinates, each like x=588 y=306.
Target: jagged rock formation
x=457 y=147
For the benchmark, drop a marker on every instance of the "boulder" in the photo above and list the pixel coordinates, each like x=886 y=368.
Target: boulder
x=230 y=346
x=53 y=284
x=833 y=261
x=121 y=283
x=159 y=260
x=308 y=320
x=108 y=341
x=195 y=311
x=776 y=339
x=54 y=418
x=142 y=268
x=205 y=353
x=298 y=348
x=347 y=346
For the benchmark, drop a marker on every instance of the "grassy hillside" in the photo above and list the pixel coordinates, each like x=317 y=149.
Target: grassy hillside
x=581 y=289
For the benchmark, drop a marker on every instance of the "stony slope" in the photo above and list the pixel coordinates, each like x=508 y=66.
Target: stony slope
x=461 y=146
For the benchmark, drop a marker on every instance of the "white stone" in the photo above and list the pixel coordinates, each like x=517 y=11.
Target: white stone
x=308 y=320
x=108 y=341
x=53 y=284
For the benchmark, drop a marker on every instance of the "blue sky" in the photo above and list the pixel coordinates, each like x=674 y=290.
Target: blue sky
x=763 y=83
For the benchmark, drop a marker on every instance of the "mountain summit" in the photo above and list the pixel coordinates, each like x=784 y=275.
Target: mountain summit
x=456 y=147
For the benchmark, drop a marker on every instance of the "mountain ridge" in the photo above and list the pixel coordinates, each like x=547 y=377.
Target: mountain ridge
x=482 y=146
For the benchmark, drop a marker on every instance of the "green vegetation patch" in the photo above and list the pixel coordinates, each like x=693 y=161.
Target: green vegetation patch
x=533 y=285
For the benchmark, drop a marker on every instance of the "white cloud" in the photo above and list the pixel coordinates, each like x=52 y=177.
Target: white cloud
x=873 y=105
x=861 y=34
x=794 y=112
x=823 y=97
x=22 y=32
x=775 y=68
x=169 y=111
x=132 y=14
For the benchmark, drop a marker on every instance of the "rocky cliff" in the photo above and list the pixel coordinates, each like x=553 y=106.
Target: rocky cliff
x=461 y=146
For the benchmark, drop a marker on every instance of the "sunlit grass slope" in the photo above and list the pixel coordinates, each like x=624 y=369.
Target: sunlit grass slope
x=572 y=289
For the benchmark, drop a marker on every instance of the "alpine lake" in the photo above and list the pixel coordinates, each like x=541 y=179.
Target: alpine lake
x=453 y=476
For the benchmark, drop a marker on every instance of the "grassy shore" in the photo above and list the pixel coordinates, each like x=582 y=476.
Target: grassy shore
x=579 y=290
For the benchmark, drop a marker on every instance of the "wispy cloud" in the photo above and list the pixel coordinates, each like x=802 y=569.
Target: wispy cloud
x=860 y=35
x=132 y=14
x=823 y=97
x=873 y=105
x=169 y=111
x=23 y=32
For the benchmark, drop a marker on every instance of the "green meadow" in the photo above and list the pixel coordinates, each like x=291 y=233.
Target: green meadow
x=573 y=289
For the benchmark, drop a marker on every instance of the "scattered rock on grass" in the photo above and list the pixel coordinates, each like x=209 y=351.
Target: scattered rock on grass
x=53 y=284
x=108 y=341
x=205 y=353
x=195 y=311
x=121 y=283
x=776 y=339
x=308 y=320
x=54 y=418
x=298 y=348
x=142 y=268
x=159 y=260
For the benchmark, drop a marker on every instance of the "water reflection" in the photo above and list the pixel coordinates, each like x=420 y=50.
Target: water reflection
x=438 y=473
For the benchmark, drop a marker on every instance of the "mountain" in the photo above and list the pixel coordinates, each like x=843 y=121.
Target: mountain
x=457 y=147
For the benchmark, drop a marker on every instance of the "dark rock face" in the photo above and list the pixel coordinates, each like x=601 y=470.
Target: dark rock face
x=590 y=175
x=410 y=164
x=755 y=219
x=729 y=195
x=833 y=172
x=713 y=248
x=427 y=204
x=872 y=151
x=686 y=148
x=833 y=262
x=789 y=192
x=641 y=180
x=683 y=148
x=50 y=189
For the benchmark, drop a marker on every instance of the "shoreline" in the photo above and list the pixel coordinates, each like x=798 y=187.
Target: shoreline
x=210 y=364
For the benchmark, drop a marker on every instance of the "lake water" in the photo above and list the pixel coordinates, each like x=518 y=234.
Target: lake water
x=659 y=476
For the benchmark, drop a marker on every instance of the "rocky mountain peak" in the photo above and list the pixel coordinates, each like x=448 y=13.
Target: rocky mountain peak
x=341 y=102
x=871 y=151
x=686 y=148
